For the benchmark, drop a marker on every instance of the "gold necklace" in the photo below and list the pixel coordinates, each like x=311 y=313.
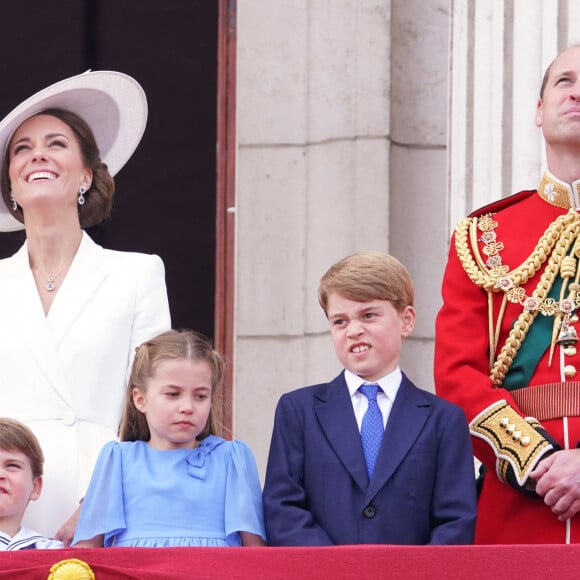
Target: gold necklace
x=50 y=285
x=51 y=281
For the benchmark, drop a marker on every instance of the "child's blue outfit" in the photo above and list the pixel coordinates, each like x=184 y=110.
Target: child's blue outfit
x=141 y=496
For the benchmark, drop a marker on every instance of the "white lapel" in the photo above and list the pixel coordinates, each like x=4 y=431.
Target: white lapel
x=82 y=280
x=24 y=317
x=23 y=313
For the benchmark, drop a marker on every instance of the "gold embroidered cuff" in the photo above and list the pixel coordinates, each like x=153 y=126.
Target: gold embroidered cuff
x=513 y=438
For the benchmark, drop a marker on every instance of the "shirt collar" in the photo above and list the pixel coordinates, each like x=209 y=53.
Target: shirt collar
x=389 y=383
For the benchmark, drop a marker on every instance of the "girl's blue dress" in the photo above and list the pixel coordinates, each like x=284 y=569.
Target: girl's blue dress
x=140 y=496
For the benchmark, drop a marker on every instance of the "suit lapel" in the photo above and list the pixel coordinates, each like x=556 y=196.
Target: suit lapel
x=408 y=415
x=335 y=414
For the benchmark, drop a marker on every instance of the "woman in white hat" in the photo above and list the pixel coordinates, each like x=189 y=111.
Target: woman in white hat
x=71 y=312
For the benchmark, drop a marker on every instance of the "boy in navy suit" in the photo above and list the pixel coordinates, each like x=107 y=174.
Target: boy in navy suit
x=393 y=468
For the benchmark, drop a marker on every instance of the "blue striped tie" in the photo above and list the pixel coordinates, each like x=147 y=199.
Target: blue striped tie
x=372 y=429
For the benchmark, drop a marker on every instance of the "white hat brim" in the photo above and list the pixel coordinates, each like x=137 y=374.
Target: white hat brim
x=112 y=103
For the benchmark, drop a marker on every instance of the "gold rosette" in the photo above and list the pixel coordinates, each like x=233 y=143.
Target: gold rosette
x=71 y=569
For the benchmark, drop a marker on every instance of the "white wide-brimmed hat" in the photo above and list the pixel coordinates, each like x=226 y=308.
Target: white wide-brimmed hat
x=112 y=103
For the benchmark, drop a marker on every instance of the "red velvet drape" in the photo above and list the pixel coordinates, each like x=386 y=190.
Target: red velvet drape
x=532 y=562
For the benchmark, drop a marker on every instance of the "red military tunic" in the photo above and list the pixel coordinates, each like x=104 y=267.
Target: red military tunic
x=503 y=286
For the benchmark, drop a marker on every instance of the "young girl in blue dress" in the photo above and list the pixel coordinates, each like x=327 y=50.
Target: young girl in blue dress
x=172 y=481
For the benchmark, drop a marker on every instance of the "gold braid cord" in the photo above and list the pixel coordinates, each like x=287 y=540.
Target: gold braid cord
x=514 y=439
x=554 y=243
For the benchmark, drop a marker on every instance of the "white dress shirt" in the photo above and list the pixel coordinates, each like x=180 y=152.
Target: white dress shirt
x=385 y=397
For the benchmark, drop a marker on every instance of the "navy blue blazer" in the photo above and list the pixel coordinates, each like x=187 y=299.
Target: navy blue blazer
x=317 y=491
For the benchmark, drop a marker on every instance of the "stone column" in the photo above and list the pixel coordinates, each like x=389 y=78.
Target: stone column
x=418 y=164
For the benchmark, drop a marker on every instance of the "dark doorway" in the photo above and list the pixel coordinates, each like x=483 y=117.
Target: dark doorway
x=166 y=194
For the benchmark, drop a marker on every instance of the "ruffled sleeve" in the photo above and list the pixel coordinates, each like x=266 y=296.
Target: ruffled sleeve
x=243 y=502
x=102 y=510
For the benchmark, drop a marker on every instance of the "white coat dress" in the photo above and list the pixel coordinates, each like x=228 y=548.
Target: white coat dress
x=64 y=375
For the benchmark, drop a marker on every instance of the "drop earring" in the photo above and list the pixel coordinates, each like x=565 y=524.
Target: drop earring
x=81 y=199
x=14 y=204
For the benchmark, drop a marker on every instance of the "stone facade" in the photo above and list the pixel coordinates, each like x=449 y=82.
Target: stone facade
x=369 y=124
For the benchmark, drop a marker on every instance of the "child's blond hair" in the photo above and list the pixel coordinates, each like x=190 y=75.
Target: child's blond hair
x=366 y=276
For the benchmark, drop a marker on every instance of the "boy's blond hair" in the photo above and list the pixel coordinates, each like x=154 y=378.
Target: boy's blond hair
x=366 y=276
x=16 y=436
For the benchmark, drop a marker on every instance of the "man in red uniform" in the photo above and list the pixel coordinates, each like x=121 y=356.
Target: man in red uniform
x=507 y=335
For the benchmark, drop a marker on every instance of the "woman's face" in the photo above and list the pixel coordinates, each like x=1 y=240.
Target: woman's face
x=46 y=169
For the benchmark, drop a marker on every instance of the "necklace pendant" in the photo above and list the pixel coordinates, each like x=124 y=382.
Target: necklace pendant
x=50 y=284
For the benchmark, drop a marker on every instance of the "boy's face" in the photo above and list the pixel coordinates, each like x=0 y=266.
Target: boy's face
x=17 y=486
x=368 y=336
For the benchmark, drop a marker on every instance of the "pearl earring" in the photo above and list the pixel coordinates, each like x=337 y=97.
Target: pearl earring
x=14 y=204
x=81 y=199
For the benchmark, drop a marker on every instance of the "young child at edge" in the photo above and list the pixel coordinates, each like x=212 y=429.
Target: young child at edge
x=172 y=481
x=21 y=464
x=319 y=489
